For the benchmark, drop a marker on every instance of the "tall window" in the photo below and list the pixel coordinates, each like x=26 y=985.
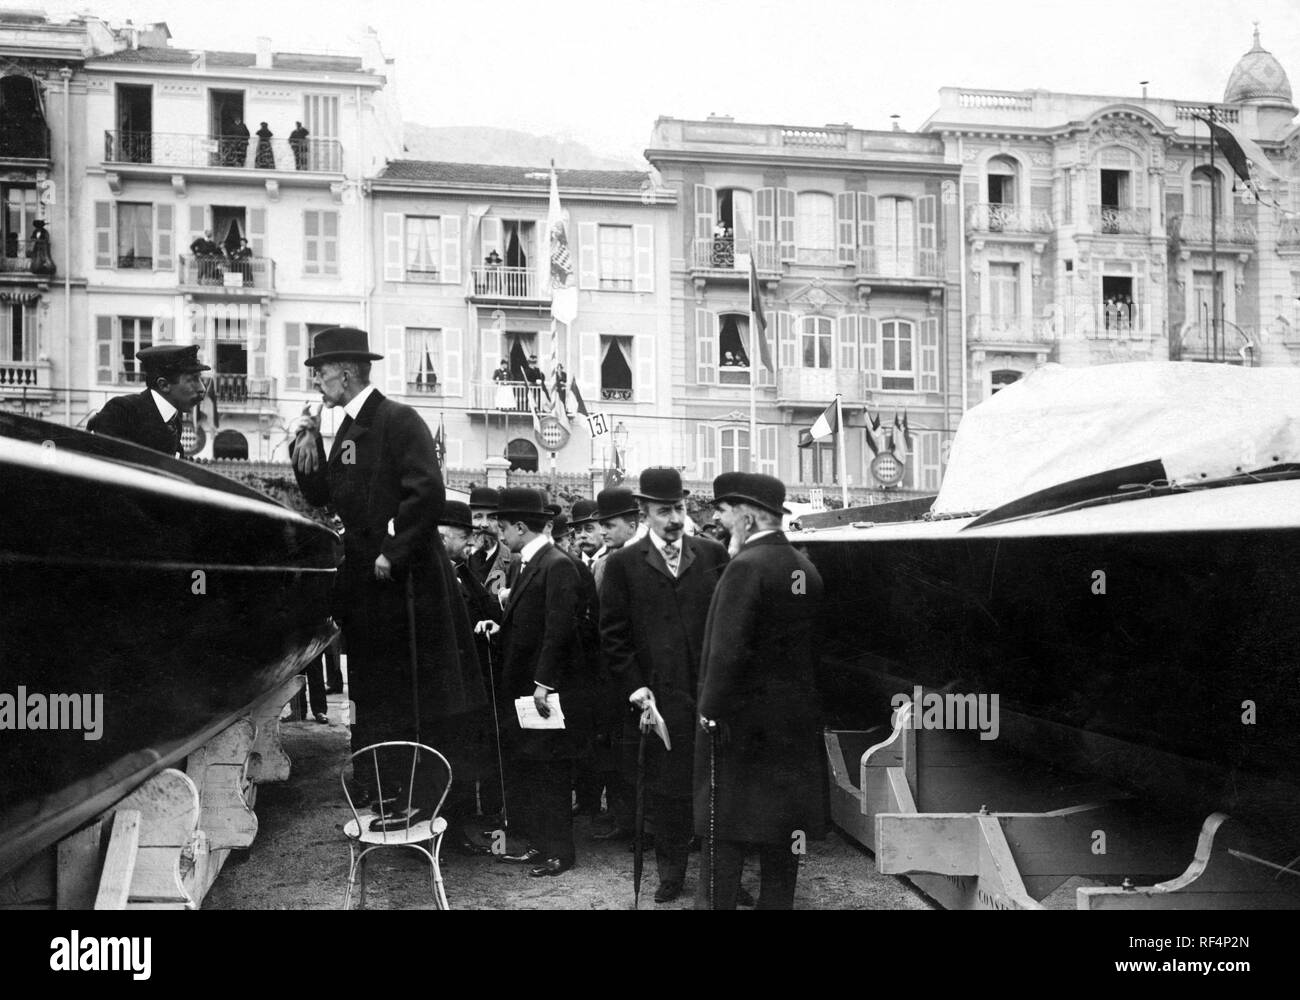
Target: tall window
x=1202 y=192
x=896 y=355
x=17 y=332
x=616 y=368
x=816 y=342
x=135 y=334
x=320 y=116
x=817 y=463
x=1002 y=181
x=1002 y=378
x=733 y=349
x=423 y=248
x=134 y=235
x=18 y=205
x=321 y=242
x=815 y=228
x=895 y=237
x=423 y=360
x=1004 y=294
x=615 y=249
x=734 y=445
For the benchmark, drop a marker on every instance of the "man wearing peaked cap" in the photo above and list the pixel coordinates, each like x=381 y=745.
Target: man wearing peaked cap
x=544 y=652
x=654 y=603
x=490 y=561
x=152 y=418
x=381 y=475
x=760 y=746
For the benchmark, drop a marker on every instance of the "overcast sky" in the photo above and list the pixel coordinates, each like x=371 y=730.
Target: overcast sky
x=601 y=71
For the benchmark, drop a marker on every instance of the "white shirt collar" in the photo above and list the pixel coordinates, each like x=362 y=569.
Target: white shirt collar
x=534 y=547
x=165 y=408
x=358 y=401
x=660 y=544
x=759 y=534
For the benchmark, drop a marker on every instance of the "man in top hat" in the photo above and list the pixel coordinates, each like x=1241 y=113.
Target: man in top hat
x=490 y=561
x=381 y=476
x=654 y=602
x=152 y=418
x=543 y=653
x=758 y=701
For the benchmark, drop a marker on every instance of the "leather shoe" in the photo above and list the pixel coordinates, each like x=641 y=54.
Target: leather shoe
x=745 y=898
x=392 y=822
x=668 y=891
x=386 y=806
x=528 y=857
x=322 y=718
x=467 y=848
x=613 y=833
x=551 y=866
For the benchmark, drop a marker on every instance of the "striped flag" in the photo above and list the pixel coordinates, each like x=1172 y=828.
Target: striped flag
x=873 y=426
x=760 y=321
x=577 y=404
x=440 y=445
x=564 y=286
x=823 y=427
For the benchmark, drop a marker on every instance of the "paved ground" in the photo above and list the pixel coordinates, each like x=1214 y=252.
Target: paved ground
x=300 y=858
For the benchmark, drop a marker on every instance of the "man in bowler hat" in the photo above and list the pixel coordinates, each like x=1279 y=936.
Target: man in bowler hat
x=381 y=476
x=152 y=418
x=758 y=702
x=490 y=561
x=543 y=653
x=654 y=601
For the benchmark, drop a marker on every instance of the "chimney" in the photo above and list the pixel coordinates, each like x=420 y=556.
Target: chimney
x=263 y=60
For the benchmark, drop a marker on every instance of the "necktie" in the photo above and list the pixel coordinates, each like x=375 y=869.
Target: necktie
x=340 y=434
x=175 y=424
x=672 y=553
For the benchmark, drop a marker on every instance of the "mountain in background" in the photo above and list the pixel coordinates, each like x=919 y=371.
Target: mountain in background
x=506 y=147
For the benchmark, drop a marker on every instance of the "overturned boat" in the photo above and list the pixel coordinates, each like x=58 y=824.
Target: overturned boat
x=1115 y=554
x=147 y=604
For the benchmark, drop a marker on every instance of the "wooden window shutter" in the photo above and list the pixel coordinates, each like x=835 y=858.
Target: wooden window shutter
x=787 y=345
x=294 y=370
x=765 y=217
x=644 y=349
x=708 y=452
x=846 y=224
x=105 y=363
x=589 y=366
x=311 y=242
x=785 y=216
x=394 y=359
x=930 y=355
x=257 y=347
x=450 y=274
x=705 y=211
x=643 y=255
x=394 y=265
x=870 y=350
x=848 y=343
x=866 y=225
x=257 y=231
x=927 y=234
x=490 y=239
x=588 y=260
x=706 y=347
x=765 y=377
x=329 y=228
x=164 y=238
x=453 y=379
x=198 y=222
x=767 y=456
x=103 y=234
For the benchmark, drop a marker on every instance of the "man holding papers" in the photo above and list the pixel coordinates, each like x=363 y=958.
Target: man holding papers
x=654 y=603
x=544 y=656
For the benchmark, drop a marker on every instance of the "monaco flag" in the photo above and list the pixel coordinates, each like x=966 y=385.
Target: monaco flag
x=564 y=285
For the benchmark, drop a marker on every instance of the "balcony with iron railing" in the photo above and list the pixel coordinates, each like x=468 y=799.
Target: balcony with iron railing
x=506 y=397
x=17 y=256
x=1288 y=235
x=24 y=379
x=24 y=141
x=424 y=385
x=216 y=275
x=909 y=267
x=814 y=386
x=496 y=282
x=723 y=256
x=237 y=390
x=175 y=149
x=986 y=328
x=1196 y=229
x=1012 y=219
x=1113 y=220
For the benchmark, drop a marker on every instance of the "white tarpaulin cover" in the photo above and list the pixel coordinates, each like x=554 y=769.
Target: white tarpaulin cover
x=1203 y=421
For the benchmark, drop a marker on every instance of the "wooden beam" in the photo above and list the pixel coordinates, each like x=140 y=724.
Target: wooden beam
x=119 y=863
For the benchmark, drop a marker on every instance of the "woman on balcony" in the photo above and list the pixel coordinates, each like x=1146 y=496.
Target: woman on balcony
x=265 y=156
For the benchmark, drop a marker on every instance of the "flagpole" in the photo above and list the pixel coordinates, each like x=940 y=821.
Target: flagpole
x=839 y=440
x=754 y=362
x=1214 y=244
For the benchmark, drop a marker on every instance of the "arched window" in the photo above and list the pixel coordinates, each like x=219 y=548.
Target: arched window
x=1204 y=195
x=734 y=446
x=522 y=455
x=815 y=342
x=815 y=228
x=1002 y=172
x=896 y=355
x=230 y=444
x=1002 y=378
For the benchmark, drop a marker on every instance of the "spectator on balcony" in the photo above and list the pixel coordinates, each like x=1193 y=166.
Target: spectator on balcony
x=42 y=262
x=237 y=144
x=502 y=374
x=561 y=385
x=298 y=143
x=532 y=373
x=207 y=259
x=241 y=261
x=264 y=159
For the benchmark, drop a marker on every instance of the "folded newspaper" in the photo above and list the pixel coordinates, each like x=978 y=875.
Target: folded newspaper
x=530 y=718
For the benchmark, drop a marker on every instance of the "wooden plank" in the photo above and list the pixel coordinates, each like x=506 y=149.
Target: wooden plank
x=78 y=868
x=273 y=763
x=935 y=843
x=168 y=804
x=219 y=771
x=119 y=862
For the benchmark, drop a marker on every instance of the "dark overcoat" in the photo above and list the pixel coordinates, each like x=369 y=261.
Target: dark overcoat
x=381 y=469
x=652 y=634
x=136 y=418
x=494 y=574
x=758 y=682
x=542 y=643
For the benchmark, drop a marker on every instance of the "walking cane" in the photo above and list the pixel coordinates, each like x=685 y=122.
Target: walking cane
x=415 y=663
x=496 y=729
x=713 y=805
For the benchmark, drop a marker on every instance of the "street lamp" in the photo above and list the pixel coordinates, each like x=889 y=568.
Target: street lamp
x=618 y=436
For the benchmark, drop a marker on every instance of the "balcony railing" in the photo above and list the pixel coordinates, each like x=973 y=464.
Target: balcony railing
x=617 y=395
x=175 y=149
x=234 y=389
x=986 y=328
x=720 y=254
x=1288 y=234
x=893 y=264
x=1196 y=229
x=17 y=377
x=17 y=255
x=507 y=397
x=496 y=282
x=221 y=274
x=27 y=141
x=1112 y=220
x=424 y=385
x=995 y=218
x=809 y=385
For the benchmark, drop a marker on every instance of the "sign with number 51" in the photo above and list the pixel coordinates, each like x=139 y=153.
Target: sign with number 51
x=597 y=425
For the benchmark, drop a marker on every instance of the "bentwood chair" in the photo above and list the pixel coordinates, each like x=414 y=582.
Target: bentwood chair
x=410 y=783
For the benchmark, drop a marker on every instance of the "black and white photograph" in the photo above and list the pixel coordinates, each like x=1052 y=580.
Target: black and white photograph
x=652 y=455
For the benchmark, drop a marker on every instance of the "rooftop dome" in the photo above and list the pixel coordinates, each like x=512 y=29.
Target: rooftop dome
x=1257 y=78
